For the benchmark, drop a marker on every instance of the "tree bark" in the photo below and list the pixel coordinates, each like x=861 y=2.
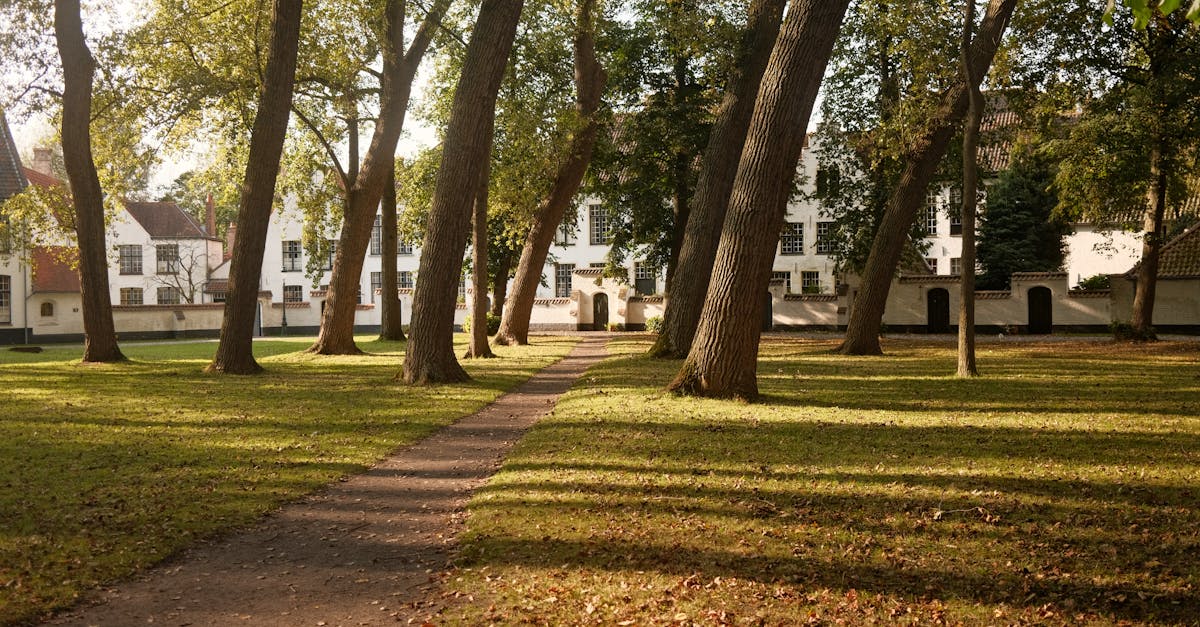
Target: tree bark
x=970 y=185
x=391 y=326
x=465 y=153
x=724 y=356
x=478 y=346
x=685 y=298
x=79 y=68
x=1152 y=241
x=921 y=163
x=500 y=284
x=235 y=350
x=362 y=197
x=589 y=85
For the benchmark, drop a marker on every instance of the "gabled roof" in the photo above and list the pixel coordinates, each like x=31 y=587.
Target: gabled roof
x=41 y=179
x=164 y=219
x=52 y=271
x=1179 y=258
x=12 y=178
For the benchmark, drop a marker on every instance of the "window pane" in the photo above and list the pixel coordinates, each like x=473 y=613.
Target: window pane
x=562 y=280
x=601 y=230
x=377 y=237
x=291 y=256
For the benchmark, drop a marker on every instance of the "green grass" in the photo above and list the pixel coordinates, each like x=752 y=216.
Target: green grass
x=106 y=469
x=1061 y=488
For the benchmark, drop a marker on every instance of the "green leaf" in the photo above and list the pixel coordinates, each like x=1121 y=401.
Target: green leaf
x=1193 y=13
x=1166 y=6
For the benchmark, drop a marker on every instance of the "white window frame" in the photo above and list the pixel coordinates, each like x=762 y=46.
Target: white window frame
x=791 y=241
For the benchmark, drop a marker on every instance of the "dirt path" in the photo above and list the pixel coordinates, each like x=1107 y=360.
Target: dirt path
x=362 y=552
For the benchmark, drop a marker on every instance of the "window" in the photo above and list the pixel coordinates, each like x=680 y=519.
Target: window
x=377 y=237
x=810 y=282
x=932 y=264
x=168 y=295
x=47 y=309
x=376 y=283
x=462 y=288
x=786 y=277
x=565 y=236
x=404 y=248
x=131 y=296
x=218 y=297
x=825 y=231
x=404 y=280
x=601 y=230
x=562 y=280
x=291 y=256
x=131 y=259
x=932 y=200
x=332 y=253
x=5 y=298
x=956 y=266
x=955 y=211
x=828 y=182
x=293 y=293
x=645 y=278
x=791 y=241
x=167 y=258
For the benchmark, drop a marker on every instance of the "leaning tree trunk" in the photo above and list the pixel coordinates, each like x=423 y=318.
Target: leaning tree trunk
x=477 y=346
x=1152 y=241
x=685 y=298
x=921 y=163
x=465 y=153
x=500 y=284
x=589 y=83
x=391 y=327
x=724 y=356
x=362 y=198
x=235 y=351
x=100 y=336
x=966 y=307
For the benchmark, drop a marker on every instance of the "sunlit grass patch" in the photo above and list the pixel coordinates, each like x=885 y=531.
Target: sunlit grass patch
x=1059 y=488
x=107 y=468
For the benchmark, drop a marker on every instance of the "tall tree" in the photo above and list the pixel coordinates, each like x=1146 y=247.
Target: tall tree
x=430 y=354
x=923 y=156
x=235 y=351
x=364 y=186
x=689 y=282
x=966 y=308
x=100 y=338
x=589 y=84
x=723 y=359
x=477 y=345
x=391 y=323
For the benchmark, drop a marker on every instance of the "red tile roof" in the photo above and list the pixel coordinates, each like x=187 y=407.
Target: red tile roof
x=41 y=179
x=1179 y=258
x=53 y=271
x=164 y=219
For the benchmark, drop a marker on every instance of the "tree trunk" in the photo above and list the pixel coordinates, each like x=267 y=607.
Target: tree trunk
x=79 y=68
x=235 y=351
x=391 y=326
x=500 y=284
x=970 y=185
x=681 y=193
x=685 y=298
x=724 y=356
x=589 y=84
x=362 y=198
x=478 y=347
x=1152 y=241
x=921 y=163
x=465 y=153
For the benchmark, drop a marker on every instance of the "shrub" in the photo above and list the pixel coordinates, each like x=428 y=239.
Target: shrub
x=1095 y=283
x=616 y=326
x=654 y=324
x=493 y=324
x=1125 y=332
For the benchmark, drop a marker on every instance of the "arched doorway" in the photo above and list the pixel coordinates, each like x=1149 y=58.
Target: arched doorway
x=600 y=312
x=1041 y=310
x=937 y=308
x=768 y=320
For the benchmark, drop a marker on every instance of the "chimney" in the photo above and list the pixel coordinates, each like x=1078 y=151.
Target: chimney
x=230 y=237
x=210 y=217
x=42 y=157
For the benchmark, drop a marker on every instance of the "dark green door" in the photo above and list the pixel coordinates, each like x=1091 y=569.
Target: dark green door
x=1041 y=310
x=937 y=305
x=600 y=312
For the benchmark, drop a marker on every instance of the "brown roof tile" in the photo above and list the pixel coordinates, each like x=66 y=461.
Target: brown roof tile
x=52 y=271
x=41 y=179
x=164 y=219
x=1180 y=258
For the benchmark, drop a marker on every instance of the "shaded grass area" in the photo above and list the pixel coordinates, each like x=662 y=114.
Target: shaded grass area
x=1061 y=488
x=106 y=469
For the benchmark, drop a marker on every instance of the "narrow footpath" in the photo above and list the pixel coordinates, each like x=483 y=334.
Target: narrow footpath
x=360 y=553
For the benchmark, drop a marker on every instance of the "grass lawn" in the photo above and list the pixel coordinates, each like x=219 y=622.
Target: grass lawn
x=106 y=469
x=1061 y=488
